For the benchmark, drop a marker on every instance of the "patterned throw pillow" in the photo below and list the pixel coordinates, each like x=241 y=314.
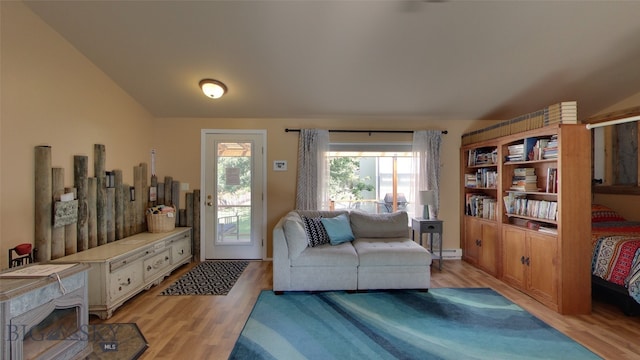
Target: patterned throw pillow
x=602 y=213
x=316 y=233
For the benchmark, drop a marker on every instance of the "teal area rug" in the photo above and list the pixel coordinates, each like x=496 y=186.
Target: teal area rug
x=443 y=323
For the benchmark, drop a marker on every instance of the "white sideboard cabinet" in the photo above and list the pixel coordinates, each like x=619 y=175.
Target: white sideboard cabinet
x=123 y=268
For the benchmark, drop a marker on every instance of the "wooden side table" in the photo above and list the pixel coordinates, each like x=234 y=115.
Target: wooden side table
x=428 y=226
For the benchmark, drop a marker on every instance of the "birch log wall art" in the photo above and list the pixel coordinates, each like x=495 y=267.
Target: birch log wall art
x=100 y=209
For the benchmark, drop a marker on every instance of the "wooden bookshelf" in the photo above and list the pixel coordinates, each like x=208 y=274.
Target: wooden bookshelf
x=540 y=239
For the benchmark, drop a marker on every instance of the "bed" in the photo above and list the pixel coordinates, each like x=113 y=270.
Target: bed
x=615 y=264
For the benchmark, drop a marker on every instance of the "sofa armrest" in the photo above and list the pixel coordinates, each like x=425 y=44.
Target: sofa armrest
x=281 y=262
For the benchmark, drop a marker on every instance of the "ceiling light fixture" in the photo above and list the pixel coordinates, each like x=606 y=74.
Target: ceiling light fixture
x=213 y=88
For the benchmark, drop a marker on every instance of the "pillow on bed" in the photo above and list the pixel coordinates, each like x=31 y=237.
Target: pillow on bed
x=601 y=213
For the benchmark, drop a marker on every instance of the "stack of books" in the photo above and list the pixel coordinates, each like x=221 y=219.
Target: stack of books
x=565 y=112
x=516 y=152
x=550 y=151
x=524 y=179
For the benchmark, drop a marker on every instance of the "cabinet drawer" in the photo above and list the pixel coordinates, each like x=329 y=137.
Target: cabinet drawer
x=125 y=281
x=127 y=260
x=180 y=250
x=156 y=264
x=432 y=228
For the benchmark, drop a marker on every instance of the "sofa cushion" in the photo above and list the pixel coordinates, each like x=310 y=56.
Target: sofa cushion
x=338 y=229
x=328 y=255
x=316 y=234
x=321 y=213
x=295 y=234
x=365 y=225
x=390 y=252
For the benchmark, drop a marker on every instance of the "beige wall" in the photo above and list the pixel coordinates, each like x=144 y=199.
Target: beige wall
x=178 y=147
x=52 y=95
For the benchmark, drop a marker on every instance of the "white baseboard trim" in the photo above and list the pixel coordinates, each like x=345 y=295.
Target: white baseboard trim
x=451 y=254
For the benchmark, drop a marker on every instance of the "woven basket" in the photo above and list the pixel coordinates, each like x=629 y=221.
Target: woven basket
x=158 y=223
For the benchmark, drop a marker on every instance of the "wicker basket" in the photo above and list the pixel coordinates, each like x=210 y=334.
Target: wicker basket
x=158 y=223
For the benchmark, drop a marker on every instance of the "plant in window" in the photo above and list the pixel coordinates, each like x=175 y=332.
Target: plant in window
x=345 y=183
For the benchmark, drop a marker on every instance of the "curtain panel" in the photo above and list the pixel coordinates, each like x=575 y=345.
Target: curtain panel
x=426 y=166
x=313 y=170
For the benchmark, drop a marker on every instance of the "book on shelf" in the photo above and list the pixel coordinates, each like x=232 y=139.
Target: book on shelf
x=536 y=148
x=483 y=156
x=551 y=185
x=541 y=209
x=486 y=178
x=480 y=205
x=510 y=201
x=548 y=230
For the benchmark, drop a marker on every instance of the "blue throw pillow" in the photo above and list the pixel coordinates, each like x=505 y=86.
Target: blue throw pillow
x=338 y=229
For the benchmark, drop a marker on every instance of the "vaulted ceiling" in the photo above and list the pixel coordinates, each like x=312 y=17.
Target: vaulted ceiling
x=298 y=59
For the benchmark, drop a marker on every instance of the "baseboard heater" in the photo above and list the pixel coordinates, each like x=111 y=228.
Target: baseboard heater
x=451 y=254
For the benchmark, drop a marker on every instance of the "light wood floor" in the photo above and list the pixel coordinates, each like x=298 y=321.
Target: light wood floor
x=206 y=327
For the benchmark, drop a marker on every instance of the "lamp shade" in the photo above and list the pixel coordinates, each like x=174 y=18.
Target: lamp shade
x=428 y=202
x=213 y=88
x=427 y=197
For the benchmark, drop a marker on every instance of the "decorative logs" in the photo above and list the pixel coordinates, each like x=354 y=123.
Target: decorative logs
x=119 y=204
x=168 y=185
x=175 y=198
x=57 y=233
x=144 y=198
x=110 y=214
x=69 y=220
x=43 y=203
x=99 y=159
x=188 y=206
x=92 y=213
x=161 y=200
x=80 y=180
x=71 y=230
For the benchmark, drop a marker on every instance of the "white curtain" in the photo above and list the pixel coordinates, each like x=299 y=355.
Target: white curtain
x=426 y=166
x=313 y=170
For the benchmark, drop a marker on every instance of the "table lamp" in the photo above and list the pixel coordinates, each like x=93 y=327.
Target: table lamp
x=428 y=201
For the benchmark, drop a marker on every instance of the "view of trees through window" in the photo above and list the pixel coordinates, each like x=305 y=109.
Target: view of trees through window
x=368 y=180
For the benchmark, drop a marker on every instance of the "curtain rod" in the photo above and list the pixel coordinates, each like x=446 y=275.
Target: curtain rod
x=366 y=131
x=613 y=122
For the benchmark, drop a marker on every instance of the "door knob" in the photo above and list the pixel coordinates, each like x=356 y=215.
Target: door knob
x=209 y=203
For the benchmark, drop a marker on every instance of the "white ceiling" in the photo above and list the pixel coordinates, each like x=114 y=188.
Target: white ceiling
x=396 y=58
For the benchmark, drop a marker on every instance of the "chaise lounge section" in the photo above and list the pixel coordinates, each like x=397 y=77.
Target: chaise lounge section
x=380 y=256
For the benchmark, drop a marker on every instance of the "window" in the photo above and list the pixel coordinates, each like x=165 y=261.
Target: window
x=375 y=178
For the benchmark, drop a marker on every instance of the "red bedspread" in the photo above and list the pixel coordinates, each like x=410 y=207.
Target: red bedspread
x=616 y=253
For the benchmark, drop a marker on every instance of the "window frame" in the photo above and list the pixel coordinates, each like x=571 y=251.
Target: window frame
x=609 y=187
